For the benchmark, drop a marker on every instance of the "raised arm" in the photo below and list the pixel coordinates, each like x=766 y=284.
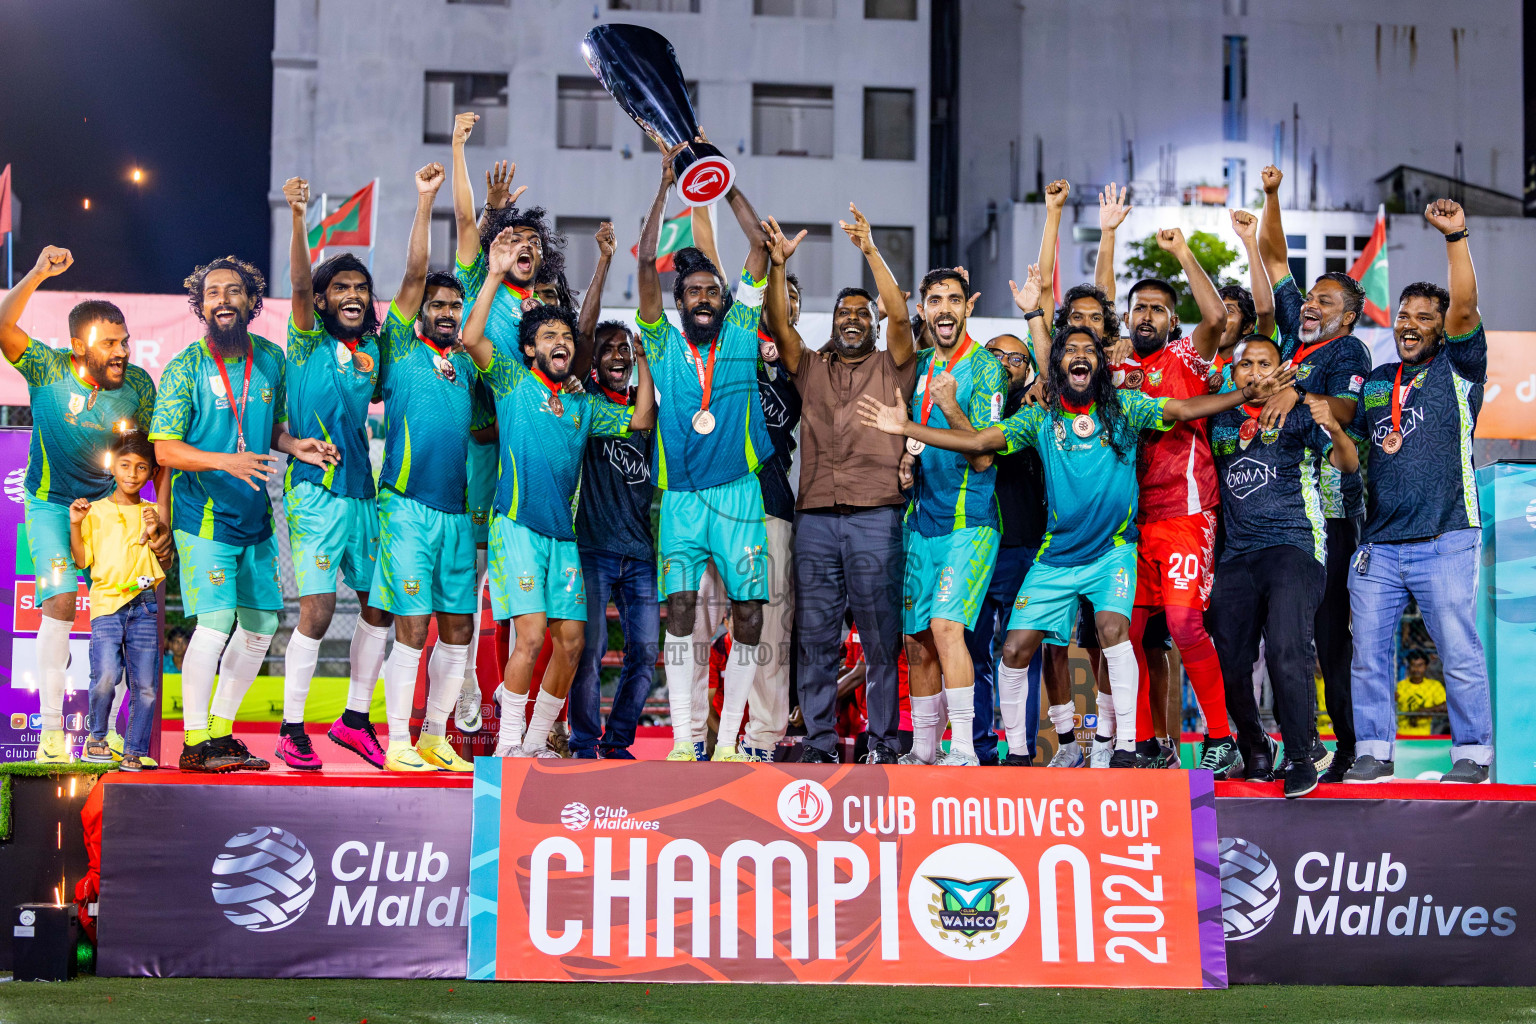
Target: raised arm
x=757 y=254
x=644 y=416
x=1027 y=299
x=776 y=296
x=1113 y=209
x=1056 y=194
x=702 y=220
x=300 y=278
x=1247 y=227
x=646 y=276
x=1206 y=337
x=592 y=302
x=893 y=419
x=51 y=262
x=466 y=227
x=1449 y=219
x=1272 y=249
x=476 y=343
x=498 y=190
x=408 y=299
x=898 y=335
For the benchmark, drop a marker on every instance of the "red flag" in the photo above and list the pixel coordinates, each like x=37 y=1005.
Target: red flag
x=351 y=223
x=5 y=200
x=1371 y=271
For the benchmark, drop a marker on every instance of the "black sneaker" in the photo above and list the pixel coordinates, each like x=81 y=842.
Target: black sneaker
x=1167 y=757
x=1367 y=769
x=236 y=748
x=1221 y=758
x=1300 y=778
x=1018 y=761
x=1466 y=770
x=1322 y=757
x=879 y=753
x=815 y=755
x=1126 y=759
x=1260 y=764
x=1337 y=768
x=209 y=756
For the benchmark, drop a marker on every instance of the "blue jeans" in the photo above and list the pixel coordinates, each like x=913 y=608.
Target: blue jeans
x=985 y=644
x=127 y=639
x=631 y=582
x=1441 y=574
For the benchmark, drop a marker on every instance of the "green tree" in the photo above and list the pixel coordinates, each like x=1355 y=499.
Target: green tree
x=1148 y=260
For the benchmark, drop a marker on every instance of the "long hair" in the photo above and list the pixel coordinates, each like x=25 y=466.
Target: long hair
x=1101 y=391
x=326 y=272
x=690 y=260
x=1088 y=291
x=551 y=242
x=255 y=284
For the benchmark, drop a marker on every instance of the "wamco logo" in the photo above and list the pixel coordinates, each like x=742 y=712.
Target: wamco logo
x=968 y=901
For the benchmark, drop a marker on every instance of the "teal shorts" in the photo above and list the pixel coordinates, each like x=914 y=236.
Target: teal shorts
x=426 y=559
x=48 y=543
x=220 y=577
x=330 y=534
x=1048 y=599
x=532 y=572
x=724 y=523
x=946 y=577
x=480 y=491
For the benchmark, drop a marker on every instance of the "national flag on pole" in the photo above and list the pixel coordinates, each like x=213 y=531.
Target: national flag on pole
x=351 y=224
x=1371 y=271
x=676 y=233
x=5 y=200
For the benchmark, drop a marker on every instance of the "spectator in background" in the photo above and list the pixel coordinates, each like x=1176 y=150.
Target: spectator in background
x=175 y=649
x=1420 y=700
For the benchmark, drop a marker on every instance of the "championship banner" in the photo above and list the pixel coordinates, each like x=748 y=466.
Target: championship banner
x=1378 y=892
x=282 y=880
x=843 y=873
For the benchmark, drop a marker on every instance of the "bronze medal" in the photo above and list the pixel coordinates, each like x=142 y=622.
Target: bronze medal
x=1249 y=430
x=364 y=362
x=555 y=405
x=1082 y=425
x=1134 y=379
x=1392 y=442
x=915 y=446
x=90 y=400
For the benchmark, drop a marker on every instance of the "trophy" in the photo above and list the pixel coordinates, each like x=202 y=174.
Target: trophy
x=639 y=69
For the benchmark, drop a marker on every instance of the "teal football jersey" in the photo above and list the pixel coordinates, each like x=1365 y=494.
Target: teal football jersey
x=73 y=424
x=541 y=448
x=427 y=404
x=506 y=315
x=950 y=495
x=684 y=459
x=195 y=406
x=328 y=396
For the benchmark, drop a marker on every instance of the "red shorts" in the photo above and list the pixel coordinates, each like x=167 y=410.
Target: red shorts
x=1176 y=562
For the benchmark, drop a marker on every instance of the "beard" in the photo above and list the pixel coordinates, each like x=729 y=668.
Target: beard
x=336 y=329
x=101 y=372
x=541 y=360
x=853 y=350
x=1146 y=346
x=232 y=341
x=703 y=334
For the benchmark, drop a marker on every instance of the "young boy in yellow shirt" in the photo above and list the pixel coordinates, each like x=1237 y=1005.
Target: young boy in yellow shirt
x=111 y=538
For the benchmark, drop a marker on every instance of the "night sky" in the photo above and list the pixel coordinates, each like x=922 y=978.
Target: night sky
x=181 y=88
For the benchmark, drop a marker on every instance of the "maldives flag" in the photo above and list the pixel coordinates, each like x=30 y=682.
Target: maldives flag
x=351 y=224
x=1371 y=271
x=676 y=233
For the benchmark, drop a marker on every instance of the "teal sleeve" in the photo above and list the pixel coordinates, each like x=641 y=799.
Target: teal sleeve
x=40 y=365
x=987 y=395
x=280 y=392
x=145 y=388
x=609 y=419
x=173 y=408
x=504 y=372
x=657 y=337
x=1020 y=429
x=472 y=277
x=1144 y=412
x=301 y=344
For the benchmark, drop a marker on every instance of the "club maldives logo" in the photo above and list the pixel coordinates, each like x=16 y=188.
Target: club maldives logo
x=804 y=805
x=575 y=816
x=16 y=484
x=968 y=901
x=264 y=879
x=1250 y=889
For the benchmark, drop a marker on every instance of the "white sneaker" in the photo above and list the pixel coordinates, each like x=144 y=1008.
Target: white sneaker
x=1102 y=752
x=539 y=752
x=466 y=714
x=959 y=759
x=505 y=750
x=1068 y=755
x=910 y=758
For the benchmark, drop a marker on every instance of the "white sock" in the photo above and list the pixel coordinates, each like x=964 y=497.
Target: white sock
x=298 y=672
x=52 y=659
x=679 y=672
x=445 y=677
x=740 y=670
x=962 y=715
x=1013 y=696
x=118 y=693
x=514 y=711
x=1123 y=681
x=471 y=676
x=546 y=708
x=1106 y=712
x=367 y=660
x=198 y=667
x=1061 y=718
x=927 y=724
x=237 y=670
x=400 y=690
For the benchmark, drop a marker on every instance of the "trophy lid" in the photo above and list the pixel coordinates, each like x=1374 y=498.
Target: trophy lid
x=639 y=68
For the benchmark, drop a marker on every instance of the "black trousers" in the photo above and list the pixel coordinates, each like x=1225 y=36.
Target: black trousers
x=1273 y=593
x=1335 y=643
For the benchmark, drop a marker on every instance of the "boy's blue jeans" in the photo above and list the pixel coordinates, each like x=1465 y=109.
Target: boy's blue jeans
x=127 y=639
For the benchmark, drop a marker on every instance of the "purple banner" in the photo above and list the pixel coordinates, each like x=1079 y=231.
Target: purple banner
x=283 y=881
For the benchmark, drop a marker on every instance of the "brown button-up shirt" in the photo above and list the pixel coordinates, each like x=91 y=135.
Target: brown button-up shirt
x=844 y=463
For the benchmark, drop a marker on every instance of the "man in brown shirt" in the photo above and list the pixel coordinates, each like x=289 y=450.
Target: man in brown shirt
x=848 y=554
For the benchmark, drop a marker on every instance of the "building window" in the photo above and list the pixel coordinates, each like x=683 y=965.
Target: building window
x=1298 y=265
x=580 y=249
x=1234 y=89
x=665 y=6
x=812 y=262
x=449 y=93
x=895 y=245
x=481 y=3
x=795 y=8
x=646 y=144
x=890 y=124
x=792 y=120
x=1335 y=265
x=584 y=119
x=1234 y=174
x=893 y=10
x=442 y=239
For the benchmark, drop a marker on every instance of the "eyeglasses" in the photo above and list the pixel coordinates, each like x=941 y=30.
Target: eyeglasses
x=1015 y=359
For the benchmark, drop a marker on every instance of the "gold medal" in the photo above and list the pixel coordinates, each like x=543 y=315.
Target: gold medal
x=703 y=421
x=1392 y=442
x=915 y=446
x=1082 y=425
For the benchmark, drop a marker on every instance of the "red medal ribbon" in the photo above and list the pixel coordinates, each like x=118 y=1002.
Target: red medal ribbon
x=245 y=394
x=1252 y=411
x=1397 y=394
x=517 y=293
x=553 y=387
x=351 y=344
x=1307 y=350
x=617 y=397
x=965 y=347
x=429 y=343
x=706 y=374
x=1077 y=410
x=85 y=378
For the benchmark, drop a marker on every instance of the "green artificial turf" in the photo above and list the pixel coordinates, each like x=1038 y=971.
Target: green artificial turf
x=30 y=768
x=162 y=1001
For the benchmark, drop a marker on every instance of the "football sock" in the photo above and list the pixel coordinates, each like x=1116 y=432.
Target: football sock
x=298 y=671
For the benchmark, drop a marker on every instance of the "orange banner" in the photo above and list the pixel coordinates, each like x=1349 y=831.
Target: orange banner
x=1509 y=400
x=655 y=871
